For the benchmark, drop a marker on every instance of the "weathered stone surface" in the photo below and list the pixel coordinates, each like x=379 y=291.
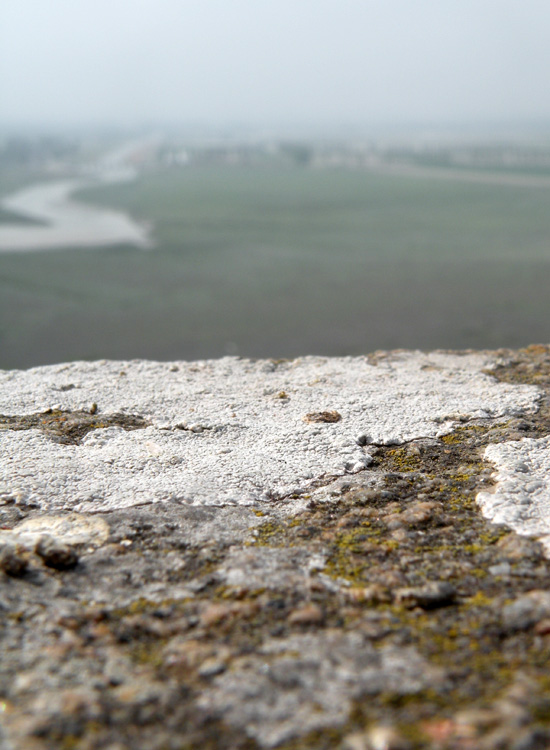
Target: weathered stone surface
x=279 y=568
x=526 y=610
x=72 y=528
x=219 y=431
x=521 y=498
x=309 y=681
x=353 y=608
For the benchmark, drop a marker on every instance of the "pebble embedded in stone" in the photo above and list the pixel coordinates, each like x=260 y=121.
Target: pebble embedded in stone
x=75 y=529
x=323 y=416
x=543 y=627
x=376 y=738
x=374 y=594
x=211 y=667
x=214 y=614
x=56 y=554
x=310 y=614
x=420 y=513
x=501 y=569
x=430 y=596
x=12 y=561
x=516 y=547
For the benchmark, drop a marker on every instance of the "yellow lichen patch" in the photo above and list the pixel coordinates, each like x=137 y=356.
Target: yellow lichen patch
x=268 y=533
x=479 y=599
x=401 y=459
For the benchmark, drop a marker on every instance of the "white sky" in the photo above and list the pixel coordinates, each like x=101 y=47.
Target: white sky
x=259 y=61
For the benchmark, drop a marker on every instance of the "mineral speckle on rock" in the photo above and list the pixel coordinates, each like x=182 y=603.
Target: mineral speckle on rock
x=323 y=416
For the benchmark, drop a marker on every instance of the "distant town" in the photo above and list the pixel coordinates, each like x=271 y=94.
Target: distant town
x=59 y=155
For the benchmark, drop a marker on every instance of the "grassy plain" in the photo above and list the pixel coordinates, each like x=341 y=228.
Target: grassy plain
x=269 y=261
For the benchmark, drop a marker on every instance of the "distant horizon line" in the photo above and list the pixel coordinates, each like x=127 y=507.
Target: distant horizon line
x=242 y=124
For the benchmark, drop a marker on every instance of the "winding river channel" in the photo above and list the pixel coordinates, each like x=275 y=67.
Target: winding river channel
x=67 y=223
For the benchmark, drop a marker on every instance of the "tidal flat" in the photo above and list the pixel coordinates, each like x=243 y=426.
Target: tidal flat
x=284 y=261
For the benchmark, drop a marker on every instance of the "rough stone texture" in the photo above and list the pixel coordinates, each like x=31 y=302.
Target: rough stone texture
x=230 y=431
x=257 y=568
x=313 y=679
x=526 y=611
x=521 y=498
x=370 y=608
x=72 y=528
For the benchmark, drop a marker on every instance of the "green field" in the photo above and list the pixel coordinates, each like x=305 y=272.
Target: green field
x=279 y=261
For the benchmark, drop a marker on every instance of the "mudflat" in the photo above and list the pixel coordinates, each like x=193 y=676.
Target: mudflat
x=284 y=262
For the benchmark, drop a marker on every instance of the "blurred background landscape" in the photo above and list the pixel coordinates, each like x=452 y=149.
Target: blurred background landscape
x=181 y=181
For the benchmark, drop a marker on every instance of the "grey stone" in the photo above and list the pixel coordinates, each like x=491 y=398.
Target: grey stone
x=307 y=682
x=525 y=611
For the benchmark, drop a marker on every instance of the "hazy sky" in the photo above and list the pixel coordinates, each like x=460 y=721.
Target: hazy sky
x=257 y=61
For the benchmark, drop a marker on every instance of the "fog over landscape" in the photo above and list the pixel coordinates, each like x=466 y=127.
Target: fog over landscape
x=184 y=180
x=312 y=61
